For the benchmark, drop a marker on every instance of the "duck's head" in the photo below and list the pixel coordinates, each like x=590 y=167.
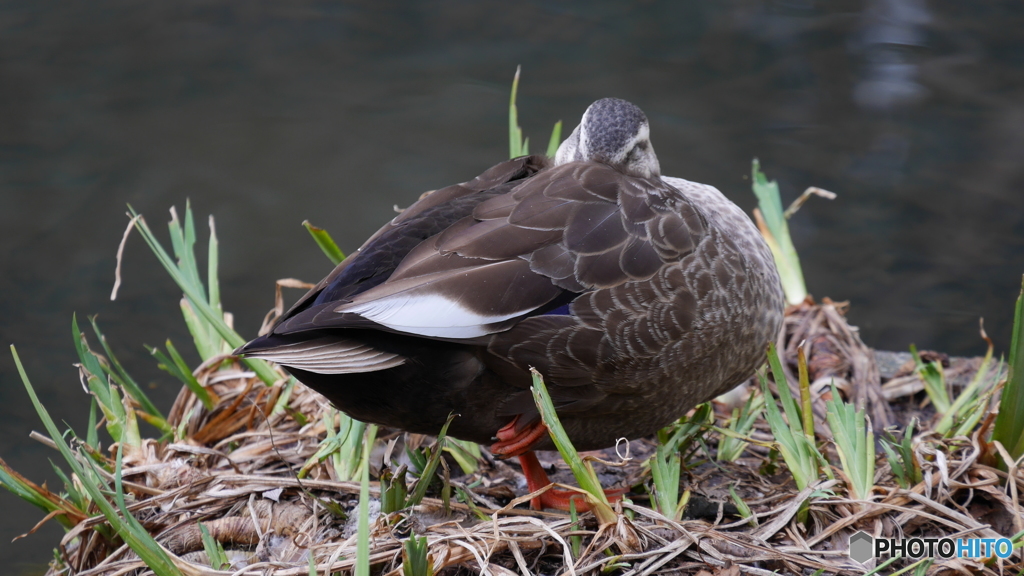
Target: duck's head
x=616 y=133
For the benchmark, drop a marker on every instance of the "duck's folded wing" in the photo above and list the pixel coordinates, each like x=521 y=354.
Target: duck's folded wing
x=459 y=303
x=422 y=215
x=566 y=231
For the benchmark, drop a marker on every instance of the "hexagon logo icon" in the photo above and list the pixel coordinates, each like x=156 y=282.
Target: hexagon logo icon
x=862 y=546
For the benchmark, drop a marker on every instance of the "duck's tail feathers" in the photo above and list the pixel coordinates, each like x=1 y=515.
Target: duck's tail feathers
x=325 y=355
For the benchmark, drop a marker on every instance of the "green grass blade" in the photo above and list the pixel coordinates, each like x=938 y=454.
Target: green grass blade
x=855 y=443
x=121 y=376
x=213 y=262
x=556 y=139
x=780 y=242
x=92 y=435
x=806 y=411
x=208 y=345
x=789 y=406
x=286 y=394
x=362 y=567
x=883 y=565
x=690 y=429
x=797 y=448
x=575 y=542
x=1009 y=425
x=33 y=494
x=742 y=506
x=979 y=407
x=788 y=442
x=394 y=492
x=183 y=369
x=105 y=392
x=214 y=550
x=731 y=447
x=427 y=476
x=415 y=559
x=665 y=474
x=665 y=464
x=80 y=501
x=934 y=379
x=130 y=435
x=183 y=240
x=176 y=366
x=91 y=364
x=217 y=343
x=584 y=473
x=131 y=530
x=466 y=454
x=968 y=398
x=462 y=495
x=515 y=134
x=343 y=446
x=902 y=461
x=197 y=299
x=325 y=242
x=899 y=471
x=349 y=455
x=128 y=527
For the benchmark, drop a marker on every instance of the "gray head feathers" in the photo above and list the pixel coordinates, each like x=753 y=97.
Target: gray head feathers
x=616 y=133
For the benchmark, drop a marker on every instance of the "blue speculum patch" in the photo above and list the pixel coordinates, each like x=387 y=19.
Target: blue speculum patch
x=562 y=310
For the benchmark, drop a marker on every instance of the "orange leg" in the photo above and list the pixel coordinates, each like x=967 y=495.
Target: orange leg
x=512 y=443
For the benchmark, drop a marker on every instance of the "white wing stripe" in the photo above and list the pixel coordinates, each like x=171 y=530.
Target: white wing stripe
x=428 y=315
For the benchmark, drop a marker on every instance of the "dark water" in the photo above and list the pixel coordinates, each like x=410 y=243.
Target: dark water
x=266 y=114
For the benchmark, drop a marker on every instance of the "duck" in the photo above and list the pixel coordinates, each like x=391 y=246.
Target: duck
x=636 y=296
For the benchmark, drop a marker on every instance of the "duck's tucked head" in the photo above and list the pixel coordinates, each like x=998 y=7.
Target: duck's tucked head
x=616 y=133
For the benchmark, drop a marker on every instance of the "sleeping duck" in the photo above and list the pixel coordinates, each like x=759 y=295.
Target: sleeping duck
x=636 y=296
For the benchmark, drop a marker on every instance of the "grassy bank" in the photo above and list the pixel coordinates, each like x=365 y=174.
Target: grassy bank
x=250 y=470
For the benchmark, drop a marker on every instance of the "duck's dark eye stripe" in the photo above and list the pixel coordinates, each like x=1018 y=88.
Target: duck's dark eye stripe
x=641 y=146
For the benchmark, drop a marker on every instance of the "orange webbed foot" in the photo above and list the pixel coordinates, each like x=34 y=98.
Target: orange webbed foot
x=555 y=498
x=517 y=443
x=513 y=443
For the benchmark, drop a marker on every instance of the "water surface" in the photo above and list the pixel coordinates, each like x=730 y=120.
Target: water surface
x=266 y=115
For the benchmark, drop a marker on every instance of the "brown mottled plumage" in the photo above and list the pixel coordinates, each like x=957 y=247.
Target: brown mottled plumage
x=635 y=296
